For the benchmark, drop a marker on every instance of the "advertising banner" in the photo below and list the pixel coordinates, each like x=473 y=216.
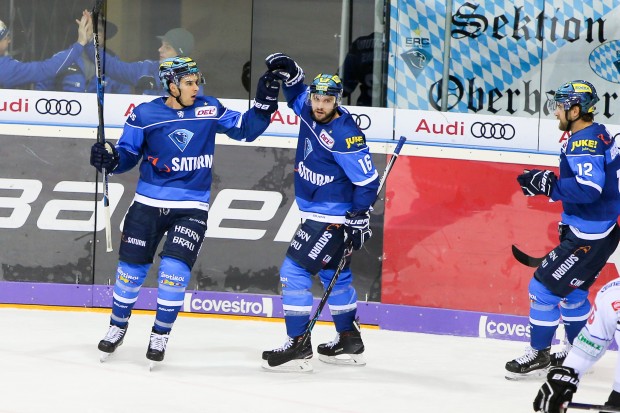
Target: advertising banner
x=505 y=58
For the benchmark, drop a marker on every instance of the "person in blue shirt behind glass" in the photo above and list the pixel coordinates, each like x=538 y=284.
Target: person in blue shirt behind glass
x=81 y=76
x=143 y=75
x=16 y=74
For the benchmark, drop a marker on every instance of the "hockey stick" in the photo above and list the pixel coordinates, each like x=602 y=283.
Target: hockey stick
x=100 y=128
x=592 y=407
x=525 y=259
x=278 y=359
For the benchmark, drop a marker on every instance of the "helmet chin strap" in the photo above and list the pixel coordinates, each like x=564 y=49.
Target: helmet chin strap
x=178 y=98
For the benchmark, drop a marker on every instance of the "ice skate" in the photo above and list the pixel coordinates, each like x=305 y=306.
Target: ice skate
x=533 y=363
x=299 y=356
x=157 y=347
x=346 y=350
x=111 y=341
x=558 y=357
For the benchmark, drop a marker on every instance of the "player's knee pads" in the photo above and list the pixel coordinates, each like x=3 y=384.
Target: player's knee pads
x=296 y=284
x=544 y=309
x=173 y=279
x=575 y=307
x=343 y=297
x=129 y=278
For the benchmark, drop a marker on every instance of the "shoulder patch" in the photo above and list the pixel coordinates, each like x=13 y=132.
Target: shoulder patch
x=355 y=141
x=205 y=112
x=584 y=146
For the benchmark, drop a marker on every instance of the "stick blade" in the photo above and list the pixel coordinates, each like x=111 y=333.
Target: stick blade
x=525 y=259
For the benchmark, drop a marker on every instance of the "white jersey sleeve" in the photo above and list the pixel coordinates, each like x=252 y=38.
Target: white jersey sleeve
x=601 y=328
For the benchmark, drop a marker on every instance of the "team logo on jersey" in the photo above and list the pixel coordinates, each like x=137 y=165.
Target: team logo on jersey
x=181 y=114
x=355 y=140
x=205 y=112
x=326 y=139
x=307 y=148
x=181 y=138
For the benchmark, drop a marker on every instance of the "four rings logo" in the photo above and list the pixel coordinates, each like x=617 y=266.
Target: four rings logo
x=363 y=121
x=489 y=130
x=58 y=107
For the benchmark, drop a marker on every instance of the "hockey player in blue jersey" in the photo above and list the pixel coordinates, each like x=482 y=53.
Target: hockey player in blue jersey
x=335 y=185
x=173 y=140
x=588 y=188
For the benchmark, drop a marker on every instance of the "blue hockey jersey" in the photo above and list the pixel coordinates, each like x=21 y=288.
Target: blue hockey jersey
x=588 y=185
x=176 y=147
x=334 y=172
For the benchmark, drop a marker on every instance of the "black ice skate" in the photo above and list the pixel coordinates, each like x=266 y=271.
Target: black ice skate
x=291 y=356
x=111 y=341
x=558 y=357
x=533 y=363
x=346 y=349
x=157 y=347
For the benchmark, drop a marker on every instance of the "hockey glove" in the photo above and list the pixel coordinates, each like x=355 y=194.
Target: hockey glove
x=558 y=389
x=285 y=68
x=537 y=182
x=146 y=83
x=357 y=228
x=104 y=156
x=267 y=93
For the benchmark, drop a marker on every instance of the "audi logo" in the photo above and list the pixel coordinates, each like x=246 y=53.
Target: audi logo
x=489 y=130
x=58 y=107
x=363 y=121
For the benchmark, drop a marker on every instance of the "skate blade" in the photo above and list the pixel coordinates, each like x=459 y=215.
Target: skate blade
x=153 y=364
x=532 y=375
x=293 y=366
x=344 y=359
x=103 y=356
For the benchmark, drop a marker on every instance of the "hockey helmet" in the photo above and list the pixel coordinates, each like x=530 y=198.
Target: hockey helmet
x=4 y=31
x=327 y=84
x=577 y=92
x=173 y=69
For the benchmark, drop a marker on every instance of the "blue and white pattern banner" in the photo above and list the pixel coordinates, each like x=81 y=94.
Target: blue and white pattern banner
x=506 y=57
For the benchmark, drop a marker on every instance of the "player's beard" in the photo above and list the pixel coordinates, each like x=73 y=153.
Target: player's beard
x=325 y=117
x=564 y=125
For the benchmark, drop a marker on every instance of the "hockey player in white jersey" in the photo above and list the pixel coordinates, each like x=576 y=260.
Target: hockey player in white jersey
x=335 y=185
x=588 y=347
x=173 y=140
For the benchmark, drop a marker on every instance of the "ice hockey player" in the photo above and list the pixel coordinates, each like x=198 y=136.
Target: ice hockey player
x=173 y=139
x=335 y=184
x=588 y=188
x=588 y=348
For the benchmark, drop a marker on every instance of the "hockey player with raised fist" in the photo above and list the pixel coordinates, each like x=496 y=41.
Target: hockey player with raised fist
x=335 y=185
x=588 y=348
x=173 y=140
x=587 y=185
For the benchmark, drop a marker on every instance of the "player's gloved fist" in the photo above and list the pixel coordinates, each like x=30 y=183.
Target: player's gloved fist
x=146 y=83
x=558 y=389
x=104 y=156
x=285 y=68
x=357 y=228
x=537 y=182
x=267 y=93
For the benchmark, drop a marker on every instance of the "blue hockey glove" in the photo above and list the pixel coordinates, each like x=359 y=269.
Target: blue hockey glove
x=285 y=68
x=558 y=389
x=357 y=228
x=104 y=156
x=537 y=182
x=267 y=93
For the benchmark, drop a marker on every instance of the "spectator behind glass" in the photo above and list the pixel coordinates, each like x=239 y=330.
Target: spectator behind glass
x=144 y=75
x=358 y=67
x=81 y=76
x=14 y=74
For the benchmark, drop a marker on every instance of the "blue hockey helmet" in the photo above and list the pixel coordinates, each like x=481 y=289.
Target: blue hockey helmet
x=4 y=30
x=326 y=84
x=577 y=92
x=173 y=69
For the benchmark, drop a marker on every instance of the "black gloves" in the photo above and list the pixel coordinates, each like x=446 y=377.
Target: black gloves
x=558 y=389
x=104 y=156
x=537 y=182
x=285 y=68
x=357 y=228
x=267 y=93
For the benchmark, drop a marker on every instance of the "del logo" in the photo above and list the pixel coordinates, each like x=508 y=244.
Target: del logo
x=615 y=305
x=355 y=140
x=326 y=139
x=205 y=111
